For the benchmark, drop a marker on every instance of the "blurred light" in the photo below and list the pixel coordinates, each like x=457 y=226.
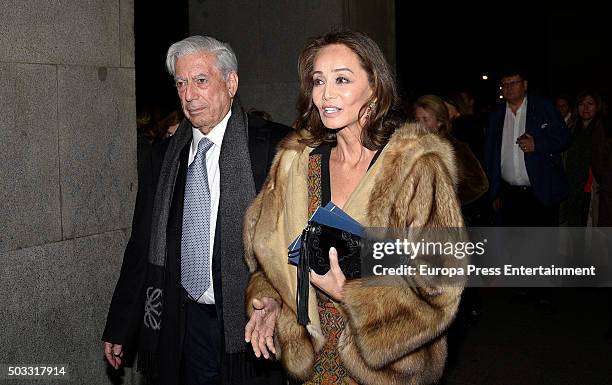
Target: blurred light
x=485 y=77
x=500 y=87
x=501 y=96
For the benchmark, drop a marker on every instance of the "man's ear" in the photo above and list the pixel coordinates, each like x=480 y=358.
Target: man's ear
x=232 y=83
x=525 y=84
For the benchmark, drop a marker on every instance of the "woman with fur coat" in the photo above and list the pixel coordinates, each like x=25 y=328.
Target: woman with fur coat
x=351 y=149
x=431 y=111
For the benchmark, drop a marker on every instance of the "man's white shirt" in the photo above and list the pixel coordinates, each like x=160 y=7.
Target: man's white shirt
x=513 y=168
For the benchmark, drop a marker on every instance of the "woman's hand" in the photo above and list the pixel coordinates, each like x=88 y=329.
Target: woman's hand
x=332 y=282
x=259 y=331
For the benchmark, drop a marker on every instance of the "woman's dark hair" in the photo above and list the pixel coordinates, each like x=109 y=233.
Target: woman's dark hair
x=598 y=104
x=384 y=116
x=584 y=94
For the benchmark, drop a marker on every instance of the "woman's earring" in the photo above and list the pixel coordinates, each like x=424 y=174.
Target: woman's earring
x=370 y=108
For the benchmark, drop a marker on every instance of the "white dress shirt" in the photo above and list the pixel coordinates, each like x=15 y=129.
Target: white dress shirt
x=212 y=167
x=513 y=168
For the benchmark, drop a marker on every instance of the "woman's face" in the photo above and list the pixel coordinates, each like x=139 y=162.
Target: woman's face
x=427 y=119
x=340 y=87
x=587 y=108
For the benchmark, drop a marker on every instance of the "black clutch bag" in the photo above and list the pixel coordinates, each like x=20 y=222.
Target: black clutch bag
x=316 y=240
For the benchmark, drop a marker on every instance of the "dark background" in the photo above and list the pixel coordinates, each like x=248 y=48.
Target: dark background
x=439 y=51
x=439 y=48
x=563 y=48
x=156 y=26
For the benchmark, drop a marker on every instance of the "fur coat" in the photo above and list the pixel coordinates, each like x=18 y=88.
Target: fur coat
x=393 y=335
x=472 y=180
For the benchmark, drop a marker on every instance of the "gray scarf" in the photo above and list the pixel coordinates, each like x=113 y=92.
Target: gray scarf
x=237 y=190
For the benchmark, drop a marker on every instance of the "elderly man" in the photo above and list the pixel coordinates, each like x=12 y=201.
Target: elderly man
x=524 y=139
x=179 y=300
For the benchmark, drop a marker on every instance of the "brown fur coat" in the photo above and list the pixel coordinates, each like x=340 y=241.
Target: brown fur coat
x=393 y=335
x=473 y=181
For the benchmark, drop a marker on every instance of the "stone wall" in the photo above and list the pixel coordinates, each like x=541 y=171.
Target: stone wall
x=68 y=177
x=268 y=36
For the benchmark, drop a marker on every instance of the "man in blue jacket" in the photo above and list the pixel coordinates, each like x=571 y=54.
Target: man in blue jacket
x=524 y=139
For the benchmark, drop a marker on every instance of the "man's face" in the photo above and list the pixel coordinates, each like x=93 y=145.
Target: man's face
x=562 y=106
x=206 y=97
x=514 y=88
x=468 y=99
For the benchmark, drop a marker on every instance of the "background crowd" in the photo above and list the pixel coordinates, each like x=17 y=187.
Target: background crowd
x=586 y=154
x=525 y=161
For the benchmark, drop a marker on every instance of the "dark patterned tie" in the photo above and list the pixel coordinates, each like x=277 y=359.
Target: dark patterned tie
x=195 y=241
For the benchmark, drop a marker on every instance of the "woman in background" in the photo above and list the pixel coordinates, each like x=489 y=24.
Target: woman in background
x=601 y=163
x=578 y=160
x=431 y=112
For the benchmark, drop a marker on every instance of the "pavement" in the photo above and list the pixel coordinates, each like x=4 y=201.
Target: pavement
x=515 y=342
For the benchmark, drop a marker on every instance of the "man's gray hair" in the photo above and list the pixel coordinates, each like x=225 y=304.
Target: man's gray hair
x=226 y=58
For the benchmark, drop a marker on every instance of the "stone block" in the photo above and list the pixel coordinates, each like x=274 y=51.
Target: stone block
x=19 y=275
x=30 y=189
x=266 y=35
x=127 y=33
x=97 y=147
x=286 y=26
x=56 y=300
x=277 y=99
x=60 y=31
x=235 y=22
x=377 y=20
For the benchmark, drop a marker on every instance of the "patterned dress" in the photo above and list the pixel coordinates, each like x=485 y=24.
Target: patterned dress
x=328 y=368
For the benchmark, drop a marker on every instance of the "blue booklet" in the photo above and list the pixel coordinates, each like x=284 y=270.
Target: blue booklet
x=329 y=215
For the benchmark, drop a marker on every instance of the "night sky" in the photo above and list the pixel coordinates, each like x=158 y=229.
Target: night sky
x=444 y=48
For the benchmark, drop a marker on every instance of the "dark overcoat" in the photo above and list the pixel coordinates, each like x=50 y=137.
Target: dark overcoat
x=127 y=306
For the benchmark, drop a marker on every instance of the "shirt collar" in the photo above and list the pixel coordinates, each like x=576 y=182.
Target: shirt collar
x=215 y=135
x=521 y=107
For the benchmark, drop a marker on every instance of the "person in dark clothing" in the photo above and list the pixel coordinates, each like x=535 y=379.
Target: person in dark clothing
x=602 y=169
x=578 y=162
x=433 y=113
x=579 y=171
x=524 y=139
x=179 y=301
x=467 y=126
